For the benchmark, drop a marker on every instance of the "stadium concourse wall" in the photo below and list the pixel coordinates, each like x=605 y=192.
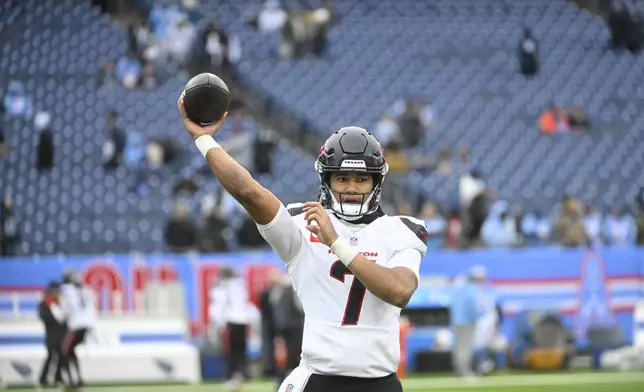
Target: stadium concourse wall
x=586 y=286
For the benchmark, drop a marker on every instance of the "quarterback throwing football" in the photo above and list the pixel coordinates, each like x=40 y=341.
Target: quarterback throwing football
x=353 y=267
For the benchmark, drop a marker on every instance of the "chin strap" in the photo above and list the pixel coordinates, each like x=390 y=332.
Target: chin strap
x=364 y=219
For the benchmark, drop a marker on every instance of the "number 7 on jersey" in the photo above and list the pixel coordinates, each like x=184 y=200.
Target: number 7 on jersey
x=356 y=293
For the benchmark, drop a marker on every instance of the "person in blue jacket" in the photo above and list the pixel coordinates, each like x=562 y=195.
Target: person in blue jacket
x=464 y=314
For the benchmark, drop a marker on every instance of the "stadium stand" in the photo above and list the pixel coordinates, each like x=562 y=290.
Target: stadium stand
x=457 y=54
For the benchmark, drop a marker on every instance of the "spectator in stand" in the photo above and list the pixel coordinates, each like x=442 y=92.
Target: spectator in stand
x=464 y=159
x=619 y=228
x=9 y=234
x=410 y=124
x=241 y=139
x=427 y=115
x=499 y=229
x=593 y=223
x=320 y=20
x=436 y=225
x=5 y=145
x=386 y=129
x=215 y=48
x=148 y=77
x=578 y=119
x=535 y=229
x=528 y=54
x=470 y=185
x=216 y=232
x=142 y=41
x=398 y=166
x=569 y=227
x=211 y=49
x=115 y=142
x=263 y=149
x=179 y=41
x=16 y=102
x=248 y=235
x=129 y=70
x=518 y=217
x=475 y=217
x=270 y=19
x=180 y=231
x=443 y=161
x=106 y=76
x=134 y=154
x=639 y=226
x=45 y=149
x=151 y=170
x=163 y=15
x=554 y=120
x=404 y=208
x=454 y=230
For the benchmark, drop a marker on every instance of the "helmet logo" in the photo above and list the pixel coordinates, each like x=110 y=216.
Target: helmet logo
x=354 y=164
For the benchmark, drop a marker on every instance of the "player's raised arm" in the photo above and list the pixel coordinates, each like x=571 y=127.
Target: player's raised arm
x=275 y=224
x=260 y=203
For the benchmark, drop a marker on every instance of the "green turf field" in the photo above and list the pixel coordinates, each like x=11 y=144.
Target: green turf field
x=562 y=382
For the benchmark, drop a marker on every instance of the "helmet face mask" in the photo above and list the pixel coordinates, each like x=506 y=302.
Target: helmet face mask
x=351 y=150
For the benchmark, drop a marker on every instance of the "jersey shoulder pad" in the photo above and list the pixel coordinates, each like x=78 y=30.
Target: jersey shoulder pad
x=416 y=226
x=295 y=209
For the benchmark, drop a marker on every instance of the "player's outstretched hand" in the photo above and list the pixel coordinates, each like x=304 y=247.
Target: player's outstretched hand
x=195 y=130
x=319 y=223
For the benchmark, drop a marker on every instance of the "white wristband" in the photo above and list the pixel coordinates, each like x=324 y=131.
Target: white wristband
x=343 y=251
x=205 y=143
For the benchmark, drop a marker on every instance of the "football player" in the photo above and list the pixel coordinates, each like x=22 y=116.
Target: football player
x=353 y=267
x=77 y=303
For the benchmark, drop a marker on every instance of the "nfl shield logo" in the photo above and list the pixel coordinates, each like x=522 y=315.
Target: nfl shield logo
x=289 y=388
x=353 y=241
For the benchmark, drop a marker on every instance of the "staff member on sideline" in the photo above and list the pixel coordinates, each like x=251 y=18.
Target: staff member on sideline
x=289 y=320
x=77 y=302
x=52 y=316
x=464 y=314
x=230 y=313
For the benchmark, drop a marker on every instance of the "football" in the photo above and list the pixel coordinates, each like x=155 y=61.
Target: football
x=206 y=99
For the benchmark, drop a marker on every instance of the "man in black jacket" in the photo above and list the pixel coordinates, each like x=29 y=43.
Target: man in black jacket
x=289 y=322
x=52 y=316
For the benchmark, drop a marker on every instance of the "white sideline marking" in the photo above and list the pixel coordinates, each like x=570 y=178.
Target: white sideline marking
x=423 y=384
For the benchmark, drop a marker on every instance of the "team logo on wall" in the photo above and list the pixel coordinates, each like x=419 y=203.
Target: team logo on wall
x=165 y=366
x=594 y=302
x=23 y=369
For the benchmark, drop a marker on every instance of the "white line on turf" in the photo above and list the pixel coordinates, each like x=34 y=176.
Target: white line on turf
x=427 y=384
x=524 y=380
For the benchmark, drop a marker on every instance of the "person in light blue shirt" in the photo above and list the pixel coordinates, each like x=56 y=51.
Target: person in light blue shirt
x=464 y=314
x=486 y=327
x=128 y=70
x=16 y=102
x=619 y=228
x=499 y=229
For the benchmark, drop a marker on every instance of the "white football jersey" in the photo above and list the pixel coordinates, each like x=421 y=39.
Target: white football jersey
x=77 y=303
x=348 y=331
